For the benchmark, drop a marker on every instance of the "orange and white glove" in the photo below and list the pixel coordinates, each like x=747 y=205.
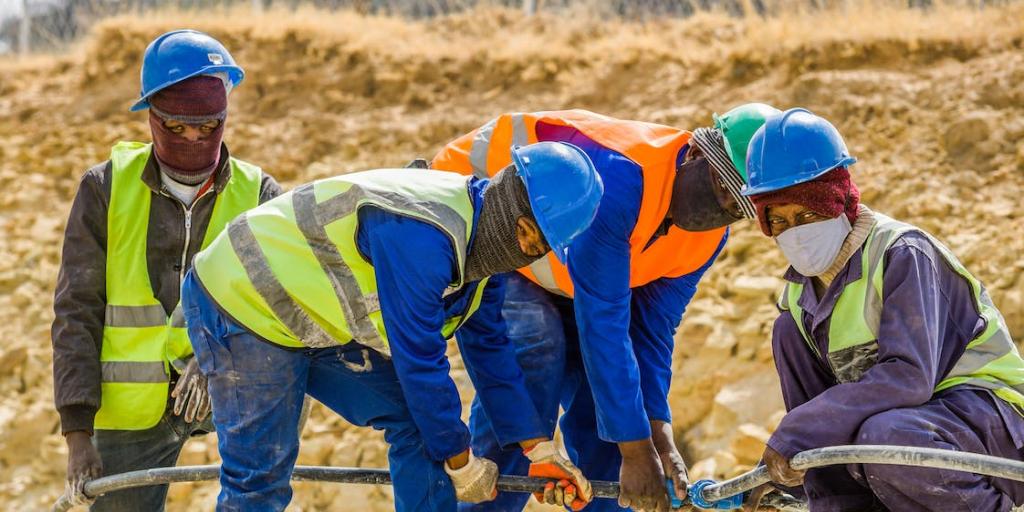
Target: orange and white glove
x=572 y=490
x=476 y=482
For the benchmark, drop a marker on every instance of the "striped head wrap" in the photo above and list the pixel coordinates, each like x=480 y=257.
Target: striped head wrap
x=712 y=143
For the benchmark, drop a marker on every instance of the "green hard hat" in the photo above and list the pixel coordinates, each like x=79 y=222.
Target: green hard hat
x=738 y=126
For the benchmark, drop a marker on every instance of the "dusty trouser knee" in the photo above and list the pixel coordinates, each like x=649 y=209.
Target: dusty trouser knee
x=922 y=488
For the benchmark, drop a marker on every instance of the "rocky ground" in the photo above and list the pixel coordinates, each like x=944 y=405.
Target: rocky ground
x=932 y=105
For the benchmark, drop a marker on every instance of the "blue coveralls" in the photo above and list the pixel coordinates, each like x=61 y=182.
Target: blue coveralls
x=606 y=356
x=928 y=318
x=257 y=387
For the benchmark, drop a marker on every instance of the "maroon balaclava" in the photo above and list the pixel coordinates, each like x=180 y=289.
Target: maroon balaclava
x=194 y=101
x=830 y=194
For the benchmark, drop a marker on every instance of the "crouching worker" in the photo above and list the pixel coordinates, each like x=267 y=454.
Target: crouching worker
x=347 y=289
x=127 y=388
x=884 y=337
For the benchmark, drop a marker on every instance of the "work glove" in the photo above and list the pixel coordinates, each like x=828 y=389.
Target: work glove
x=84 y=465
x=191 y=394
x=476 y=482
x=572 y=490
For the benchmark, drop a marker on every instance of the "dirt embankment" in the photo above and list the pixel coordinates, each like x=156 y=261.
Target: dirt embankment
x=933 y=106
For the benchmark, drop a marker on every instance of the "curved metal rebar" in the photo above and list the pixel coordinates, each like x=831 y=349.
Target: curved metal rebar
x=159 y=476
x=876 y=454
x=864 y=454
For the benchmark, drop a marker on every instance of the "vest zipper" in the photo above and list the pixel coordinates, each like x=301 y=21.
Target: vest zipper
x=187 y=210
x=188 y=237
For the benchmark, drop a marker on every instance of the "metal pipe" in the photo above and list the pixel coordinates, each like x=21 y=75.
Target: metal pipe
x=178 y=474
x=865 y=454
x=876 y=454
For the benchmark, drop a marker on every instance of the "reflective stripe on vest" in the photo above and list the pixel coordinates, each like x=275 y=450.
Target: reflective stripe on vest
x=655 y=148
x=990 y=361
x=139 y=339
x=291 y=272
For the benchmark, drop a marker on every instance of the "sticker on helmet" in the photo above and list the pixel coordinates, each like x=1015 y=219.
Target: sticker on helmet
x=215 y=58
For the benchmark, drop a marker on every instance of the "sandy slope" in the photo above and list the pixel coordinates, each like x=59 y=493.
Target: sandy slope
x=932 y=105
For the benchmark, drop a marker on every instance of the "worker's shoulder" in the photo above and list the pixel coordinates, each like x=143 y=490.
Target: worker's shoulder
x=913 y=238
x=97 y=177
x=914 y=244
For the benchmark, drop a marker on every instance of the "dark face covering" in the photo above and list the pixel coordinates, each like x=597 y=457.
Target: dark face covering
x=193 y=101
x=495 y=248
x=695 y=205
x=183 y=156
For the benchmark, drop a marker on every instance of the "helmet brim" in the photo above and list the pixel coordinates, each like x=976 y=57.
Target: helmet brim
x=790 y=181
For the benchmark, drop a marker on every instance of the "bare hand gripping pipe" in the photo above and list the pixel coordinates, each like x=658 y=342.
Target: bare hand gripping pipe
x=862 y=454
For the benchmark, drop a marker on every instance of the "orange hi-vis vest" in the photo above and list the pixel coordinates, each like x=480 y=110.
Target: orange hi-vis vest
x=655 y=148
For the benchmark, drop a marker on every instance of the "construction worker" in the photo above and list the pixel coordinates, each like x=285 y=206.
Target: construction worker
x=613 y=309
x=348 y=288
x=884 y=338
x=127 y=388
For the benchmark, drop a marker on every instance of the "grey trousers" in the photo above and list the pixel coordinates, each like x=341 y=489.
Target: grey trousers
x=130 y=450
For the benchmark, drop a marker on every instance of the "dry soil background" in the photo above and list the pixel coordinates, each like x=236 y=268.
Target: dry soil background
x=932 y=104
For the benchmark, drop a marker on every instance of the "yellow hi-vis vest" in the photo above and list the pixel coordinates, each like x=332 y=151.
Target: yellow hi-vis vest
x=140 y=341
x=290 y=270
x=990 y=361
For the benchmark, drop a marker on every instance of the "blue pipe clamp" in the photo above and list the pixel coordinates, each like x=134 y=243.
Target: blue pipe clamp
x=696 y=495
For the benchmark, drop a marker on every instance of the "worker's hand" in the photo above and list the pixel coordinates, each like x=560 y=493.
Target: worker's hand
x=642 y=478
x=671 y=460
x=572 y=490
x=476 y=481
x=675 y=470
x=753 y=500
x=779 y=469
x=84 y=464
x=191 y=395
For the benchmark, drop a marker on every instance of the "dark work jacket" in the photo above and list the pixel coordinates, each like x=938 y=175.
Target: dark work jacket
x=80 y=297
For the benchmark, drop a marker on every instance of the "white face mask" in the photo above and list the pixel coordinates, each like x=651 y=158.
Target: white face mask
x=812 y=248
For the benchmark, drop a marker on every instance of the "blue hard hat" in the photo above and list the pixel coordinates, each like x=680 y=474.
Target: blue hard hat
x=564 y=190
x=793 y=147
x=179 y=55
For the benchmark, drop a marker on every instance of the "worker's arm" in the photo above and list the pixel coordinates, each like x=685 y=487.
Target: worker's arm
x=657 y=309
x=79 y=304
x=414 y=263
x=77 y=333
x=914 y=350
x=491 y=364
x=599 y=265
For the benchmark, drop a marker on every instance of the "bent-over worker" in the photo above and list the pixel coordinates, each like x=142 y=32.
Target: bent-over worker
x=347 y=289
x=596 y=334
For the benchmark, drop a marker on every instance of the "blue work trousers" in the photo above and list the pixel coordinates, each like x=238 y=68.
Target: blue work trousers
x=542 y=327
x=257 y=389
